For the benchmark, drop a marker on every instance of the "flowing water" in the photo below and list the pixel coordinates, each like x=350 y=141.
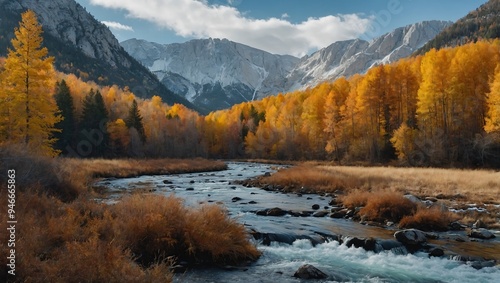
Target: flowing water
x=279 y=261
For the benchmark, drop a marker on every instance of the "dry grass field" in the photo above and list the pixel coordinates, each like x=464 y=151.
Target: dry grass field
x=380 y=190
x=474 y=186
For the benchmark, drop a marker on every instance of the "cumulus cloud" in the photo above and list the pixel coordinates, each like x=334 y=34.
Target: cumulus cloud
x=117 y=26
x=198 y=18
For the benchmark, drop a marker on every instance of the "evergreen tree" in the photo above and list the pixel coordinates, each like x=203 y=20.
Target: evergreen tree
x=93 y=125
x=27 y=88
x=134 y=120
x=64 y=101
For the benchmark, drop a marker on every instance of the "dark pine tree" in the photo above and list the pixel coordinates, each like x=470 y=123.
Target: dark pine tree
x=66 y=136
x=94 y=135
x=134 y=120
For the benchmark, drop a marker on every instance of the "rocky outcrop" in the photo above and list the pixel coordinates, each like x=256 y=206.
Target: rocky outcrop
x=70 y=22
x=214 y=73
x=84 y=46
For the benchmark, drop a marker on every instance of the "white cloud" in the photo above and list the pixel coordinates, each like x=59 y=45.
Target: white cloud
x=117 y=26
x=285 y=16
x=197 y=18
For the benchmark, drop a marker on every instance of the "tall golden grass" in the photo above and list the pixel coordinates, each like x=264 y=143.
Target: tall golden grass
x=428 y=219
x=481 y=186
x=380 y=190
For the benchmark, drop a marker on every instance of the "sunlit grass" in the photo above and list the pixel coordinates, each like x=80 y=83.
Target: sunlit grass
x=480 y=186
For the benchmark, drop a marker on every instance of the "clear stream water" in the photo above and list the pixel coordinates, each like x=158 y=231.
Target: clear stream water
x=279 y=261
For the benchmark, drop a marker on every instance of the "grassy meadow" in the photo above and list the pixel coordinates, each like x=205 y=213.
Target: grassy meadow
x=380 y=191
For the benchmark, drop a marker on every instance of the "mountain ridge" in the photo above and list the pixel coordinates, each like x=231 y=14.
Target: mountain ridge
x=218 y=73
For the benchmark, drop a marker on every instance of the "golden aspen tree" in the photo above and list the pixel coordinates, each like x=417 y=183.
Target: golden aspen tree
x=470 y=71
x=493 y=117
x=28 y=87
x=313 y=120
x=403 y=140
x=372 y=101
x=334 y=103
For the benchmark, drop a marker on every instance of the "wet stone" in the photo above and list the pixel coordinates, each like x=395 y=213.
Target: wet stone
x=436 y=252
x=308 y=271
x=481 y=233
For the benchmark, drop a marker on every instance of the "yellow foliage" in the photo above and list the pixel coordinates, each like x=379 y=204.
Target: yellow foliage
x=29 y=109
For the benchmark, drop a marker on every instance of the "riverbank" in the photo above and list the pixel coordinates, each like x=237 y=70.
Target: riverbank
x=64 y=235
x=452 y=206
x=467 y=191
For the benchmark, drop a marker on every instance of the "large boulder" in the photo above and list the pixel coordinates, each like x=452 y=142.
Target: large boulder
x=411 y=237
x=481 y=233
x=308 y=271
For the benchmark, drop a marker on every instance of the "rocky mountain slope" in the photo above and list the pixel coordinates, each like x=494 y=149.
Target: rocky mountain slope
x=216 y=74
x=83 y=46
x=482 y=23
x=346 y=58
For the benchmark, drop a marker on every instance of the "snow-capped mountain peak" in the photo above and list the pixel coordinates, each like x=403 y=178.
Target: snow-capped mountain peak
x=218 y=73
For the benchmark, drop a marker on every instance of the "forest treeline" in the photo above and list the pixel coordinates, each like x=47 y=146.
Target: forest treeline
x=438 y=109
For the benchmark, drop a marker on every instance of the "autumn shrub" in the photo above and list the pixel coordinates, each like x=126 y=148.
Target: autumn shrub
x=387 y=206
x=62 y=242
x=150 y=226
x=156 y=227
x=428 y=219
x=212 y=236
x=42 y=174
x=356 y=198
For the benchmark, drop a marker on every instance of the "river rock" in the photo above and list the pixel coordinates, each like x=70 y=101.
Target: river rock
x=308 y=271
x=315 y=206
x=411 y=237
x=367 y=244
x=275 y=212
x=236 y=199
x=436 y=252
x=481 y=233
x=339 y=214
x=412 y=198
x=322 y=213
x=334 y=201
x=483 y=263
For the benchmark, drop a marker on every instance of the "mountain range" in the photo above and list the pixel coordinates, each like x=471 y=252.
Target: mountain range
x=83 y=46
x=217 y=73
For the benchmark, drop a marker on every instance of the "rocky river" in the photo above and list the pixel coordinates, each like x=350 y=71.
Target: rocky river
x=292 y=230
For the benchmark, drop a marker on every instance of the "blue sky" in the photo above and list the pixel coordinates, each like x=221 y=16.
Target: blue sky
x=294 y=27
